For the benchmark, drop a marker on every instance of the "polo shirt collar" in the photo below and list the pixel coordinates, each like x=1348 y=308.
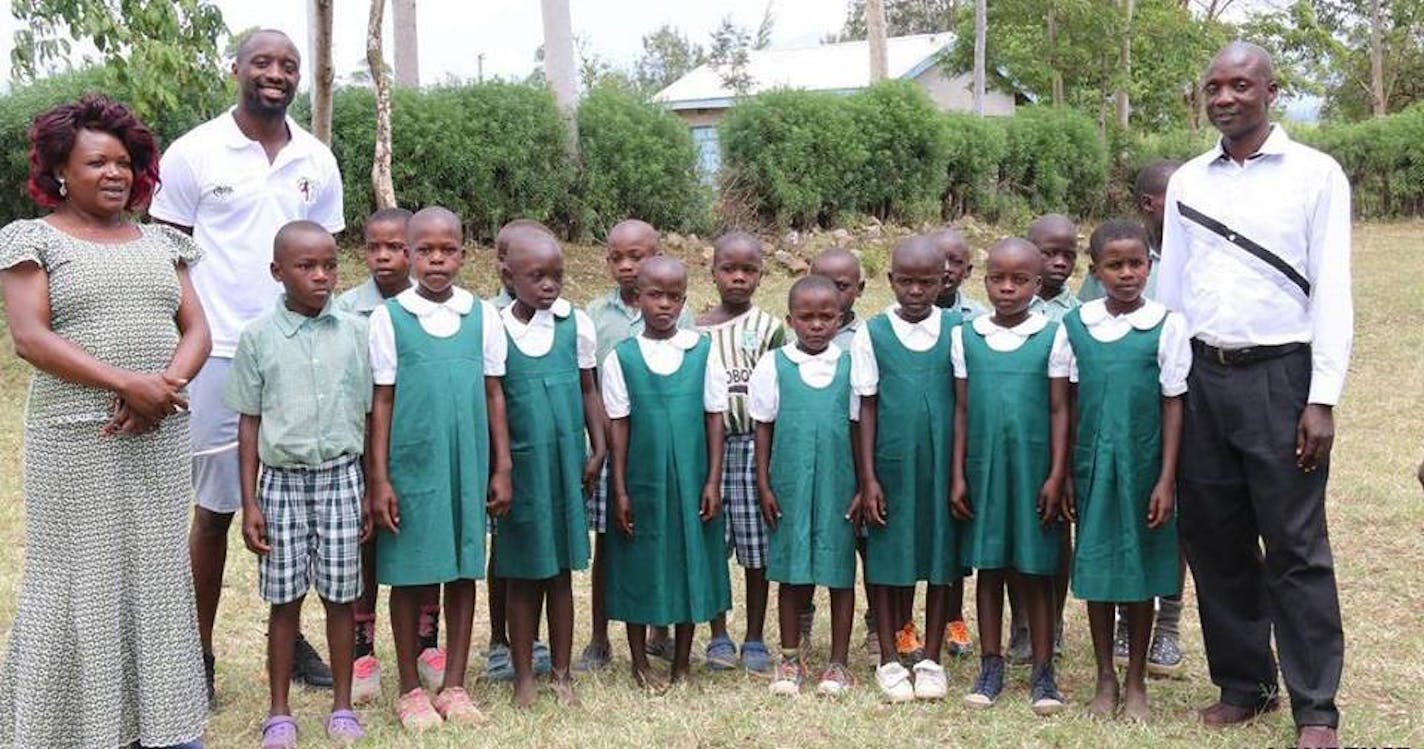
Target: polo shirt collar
x=238 y=140
x=460 y=302
x=290 y=322
x=1145 y=317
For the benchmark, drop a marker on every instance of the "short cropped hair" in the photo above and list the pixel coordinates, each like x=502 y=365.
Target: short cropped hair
x=1115 y=230
x=52 y=136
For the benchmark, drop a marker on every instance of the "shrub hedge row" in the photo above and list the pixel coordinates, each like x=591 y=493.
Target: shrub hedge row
x=496 y=151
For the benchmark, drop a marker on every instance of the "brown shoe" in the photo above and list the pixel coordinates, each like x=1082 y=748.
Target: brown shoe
x=1316 y=737
x=1221 y=715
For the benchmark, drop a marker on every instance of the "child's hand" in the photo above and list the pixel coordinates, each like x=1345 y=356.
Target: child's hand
x=1069 y=511
x=1161 y=506
x=500 y=495
x=770 y=508
x=855 y=514
x=591 y=470
x=368 y=528
x=384 y=505
x=1049 y=498
x=623 y=514
x=959 y=499
x=873 y=499
x=254 y=531
x=711 y=500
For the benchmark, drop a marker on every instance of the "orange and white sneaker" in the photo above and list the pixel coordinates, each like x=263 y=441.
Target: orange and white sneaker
x=431 y=667
x=908 y=644
x=957 y=639
x=365 y=680
x=416 y=712
x=455 y=706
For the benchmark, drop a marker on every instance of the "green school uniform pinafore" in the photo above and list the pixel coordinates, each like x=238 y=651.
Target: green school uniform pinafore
x=1009 y=454
x=673 y=569
x=546 y=530
x=913 y=446
x=1116 y=462
x=439 y=454
x=813 y=477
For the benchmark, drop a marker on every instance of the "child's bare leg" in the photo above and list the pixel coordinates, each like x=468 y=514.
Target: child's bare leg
x=638 y=654
x=790 y=600
x=523 y=610
x=282 y=626
x=842 y=619
x=459 y=620
x=1139 y=631
x=758 y=590
x=1100 y=623
x=718 y=626
x=498 y=608
x=682 y=650
x=956 y=600
x=905 y=606
x=598 y=635
x=406 y=601
x=1036 y=593
x=870 y=617
x=989 y=607
x=559 y=601
x=364 y=609
x=341 y=640
x=887 y=619
x=936 y=618
x=1060 y=580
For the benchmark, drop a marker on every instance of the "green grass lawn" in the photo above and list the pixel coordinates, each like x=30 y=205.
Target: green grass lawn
x=1377 y=522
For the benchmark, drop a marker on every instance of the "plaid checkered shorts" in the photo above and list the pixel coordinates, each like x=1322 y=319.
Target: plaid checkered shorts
x=313 y=519
x=595 y=503
x=747 y=533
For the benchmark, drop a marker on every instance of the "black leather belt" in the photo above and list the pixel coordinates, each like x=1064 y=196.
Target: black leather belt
x=1240 y=357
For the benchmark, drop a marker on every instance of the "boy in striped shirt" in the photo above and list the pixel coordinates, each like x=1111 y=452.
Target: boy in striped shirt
x=741 y=333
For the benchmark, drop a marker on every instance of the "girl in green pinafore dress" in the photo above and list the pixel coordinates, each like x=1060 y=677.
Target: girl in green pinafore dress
x=667 y=562
x=440 y=457
x=799 y=397
x=1010 y=464
x=552 y=402
x=1130 y=360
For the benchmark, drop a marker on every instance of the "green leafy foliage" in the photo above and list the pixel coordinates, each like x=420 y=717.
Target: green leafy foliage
x=906 y=148
x=974 y=148
x=638 y=160
x=1054 y=161
x=1383 y=159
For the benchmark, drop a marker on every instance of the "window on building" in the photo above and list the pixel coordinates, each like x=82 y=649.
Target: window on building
x=708 y=150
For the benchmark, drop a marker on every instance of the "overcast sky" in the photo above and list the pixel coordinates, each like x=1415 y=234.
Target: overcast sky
x=453 y=33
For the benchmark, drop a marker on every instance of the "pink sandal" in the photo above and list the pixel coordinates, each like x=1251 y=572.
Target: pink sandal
x=279 y=732
x=344 y=728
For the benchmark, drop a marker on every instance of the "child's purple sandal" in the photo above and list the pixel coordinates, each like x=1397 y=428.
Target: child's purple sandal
x=279 y=732
x=344 y=727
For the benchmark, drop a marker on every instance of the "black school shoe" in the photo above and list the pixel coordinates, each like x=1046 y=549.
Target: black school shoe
x=308 y=667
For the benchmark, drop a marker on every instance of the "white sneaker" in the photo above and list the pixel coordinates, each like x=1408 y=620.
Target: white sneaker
x=930 y=681
x=894 y=682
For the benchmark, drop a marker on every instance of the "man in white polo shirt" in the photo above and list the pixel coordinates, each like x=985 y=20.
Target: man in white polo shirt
x=1256 y=255
x=232 y=182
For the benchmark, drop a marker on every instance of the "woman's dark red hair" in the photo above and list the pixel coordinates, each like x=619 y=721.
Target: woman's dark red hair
x=52 y=137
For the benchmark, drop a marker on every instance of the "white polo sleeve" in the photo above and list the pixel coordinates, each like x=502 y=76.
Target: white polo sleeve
x=864 y=372
x=496 y=343
x=1174 y=355
x=587 y=336
x=328 y=208
x=179 y=190
x=381 y=337
x=763 y=395
x=614 y=389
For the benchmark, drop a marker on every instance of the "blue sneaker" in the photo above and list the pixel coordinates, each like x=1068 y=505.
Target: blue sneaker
x=989 y=685
x=755 y=658
x=721 y=654
x=498 y=665
x=542 y=663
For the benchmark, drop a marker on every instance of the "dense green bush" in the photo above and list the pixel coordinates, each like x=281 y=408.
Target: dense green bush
x=906 y=148
x=974 y=148
x=19 y=107
x=1055 y=161
x=638 y=160
x=1383 y=159
x=490 y=152
x=795 y=155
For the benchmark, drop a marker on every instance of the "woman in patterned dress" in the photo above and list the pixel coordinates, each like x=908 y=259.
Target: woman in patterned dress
x=104 y=648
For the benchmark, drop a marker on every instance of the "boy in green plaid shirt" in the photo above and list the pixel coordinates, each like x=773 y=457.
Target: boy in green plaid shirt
x=301 y=381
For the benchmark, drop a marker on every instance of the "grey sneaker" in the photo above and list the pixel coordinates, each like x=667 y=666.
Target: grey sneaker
x=1120 y=643
x=1164 y=658
x=1020 y=652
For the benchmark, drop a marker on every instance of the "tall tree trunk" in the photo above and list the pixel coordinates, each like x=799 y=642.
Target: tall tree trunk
x=407 y=53
x=1056 y=77
x=381 y=184
x=559 y=65
x=1122 y=98
x=1378 y=104
x=981 y=33
x=319 y=25
x=875 y=33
